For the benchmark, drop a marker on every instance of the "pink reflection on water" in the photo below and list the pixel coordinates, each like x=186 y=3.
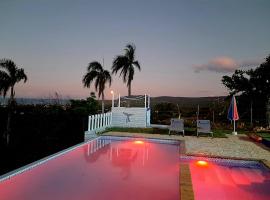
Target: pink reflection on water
x=228 y=183
x=119 y=170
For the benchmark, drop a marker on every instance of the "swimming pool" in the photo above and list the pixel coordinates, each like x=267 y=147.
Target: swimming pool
x=133 y=168
x=226 y=179
x=105 y=168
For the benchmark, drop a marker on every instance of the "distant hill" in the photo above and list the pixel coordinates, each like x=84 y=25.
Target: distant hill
x=181 y=101
x=35 y=101
x=188 y=101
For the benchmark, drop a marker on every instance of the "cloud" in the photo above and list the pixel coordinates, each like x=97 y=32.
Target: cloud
x=224 y=65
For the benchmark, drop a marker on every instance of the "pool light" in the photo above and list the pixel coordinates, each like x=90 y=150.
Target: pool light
x=138 y=142
x=202 y=163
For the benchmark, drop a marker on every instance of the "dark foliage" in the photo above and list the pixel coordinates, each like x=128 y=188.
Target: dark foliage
x=39 y=131
x=253 y=88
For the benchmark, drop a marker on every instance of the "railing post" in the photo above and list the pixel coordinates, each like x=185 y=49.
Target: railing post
x=103 y=120
x=111 y=118
x=106 y=119
x=92 y=122
x=98 y=121
x=89 y=123
x=95 y=122
x=145 y=100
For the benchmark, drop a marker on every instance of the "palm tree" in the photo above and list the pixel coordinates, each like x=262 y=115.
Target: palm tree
x=10 y=74
x=95 y=72
x=126 y=64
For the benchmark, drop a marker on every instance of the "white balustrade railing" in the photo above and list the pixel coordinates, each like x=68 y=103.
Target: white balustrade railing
x=99 y=121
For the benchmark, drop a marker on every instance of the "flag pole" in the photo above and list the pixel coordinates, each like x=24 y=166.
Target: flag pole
x=234 y=132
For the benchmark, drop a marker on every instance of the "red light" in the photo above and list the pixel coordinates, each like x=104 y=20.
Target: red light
x=202 y=163
x=138 y=142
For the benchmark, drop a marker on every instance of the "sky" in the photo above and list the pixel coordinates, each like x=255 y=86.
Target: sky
x=184 y=47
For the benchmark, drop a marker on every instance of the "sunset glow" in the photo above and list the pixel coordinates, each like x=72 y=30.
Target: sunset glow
x=176 y=51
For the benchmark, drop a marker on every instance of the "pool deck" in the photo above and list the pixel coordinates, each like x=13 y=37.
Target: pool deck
x=239 y=146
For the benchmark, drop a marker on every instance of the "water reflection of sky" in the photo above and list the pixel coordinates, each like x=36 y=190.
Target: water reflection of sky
x=101 y=169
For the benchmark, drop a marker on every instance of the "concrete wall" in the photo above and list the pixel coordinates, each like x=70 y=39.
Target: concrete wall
x=130 y=117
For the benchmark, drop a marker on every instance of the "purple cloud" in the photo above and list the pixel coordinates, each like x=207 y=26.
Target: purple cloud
x=224 y=65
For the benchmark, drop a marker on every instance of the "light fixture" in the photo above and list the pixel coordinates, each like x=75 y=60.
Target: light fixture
x=202 y=163
x=138 y=142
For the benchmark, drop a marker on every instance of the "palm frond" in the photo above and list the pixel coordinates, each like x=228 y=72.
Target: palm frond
x=98 y=82
x=10 y=75
x=95 y=66
x=137 y=64
x=123 y=73
x=96 y=73
x=107 y=77
x=89 y=77
x=9 y=66
x=4 y=76
x=130 y=52
x=20 y=75
x=4 y=87
x=118 y=63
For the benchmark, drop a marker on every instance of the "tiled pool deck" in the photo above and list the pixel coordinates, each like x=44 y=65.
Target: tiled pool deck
x=239 y=146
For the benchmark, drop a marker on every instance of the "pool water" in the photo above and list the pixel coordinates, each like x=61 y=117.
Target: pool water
x=121 y=168
x=106 y=168
x=225 y=179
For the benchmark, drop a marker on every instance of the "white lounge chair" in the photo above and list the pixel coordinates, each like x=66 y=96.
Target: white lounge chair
x=177 y=125
x=204 y=126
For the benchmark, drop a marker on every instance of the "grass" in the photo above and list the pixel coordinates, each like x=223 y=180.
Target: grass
x=218 y=133
x=263 y=134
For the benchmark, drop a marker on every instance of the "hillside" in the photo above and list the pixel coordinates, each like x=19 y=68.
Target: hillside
x=188 y=101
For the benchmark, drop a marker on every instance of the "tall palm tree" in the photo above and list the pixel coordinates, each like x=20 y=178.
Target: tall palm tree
x=95 y=72
x=126 y=64
x=10 y=74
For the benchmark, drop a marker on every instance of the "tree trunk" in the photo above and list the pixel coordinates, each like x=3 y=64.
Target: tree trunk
x=129 y=94
x=10 y=112
x=129 y=89
x=268 y=112
x=102 y=103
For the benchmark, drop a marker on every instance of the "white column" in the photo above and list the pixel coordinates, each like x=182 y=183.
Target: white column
x=103 y=119
x=145 y=100
x=98 y=124
x=111 y=119
x=107 y=119
x=95 y=124
x=92 y=121
x=89 y=123
x=112 y=98
x=148 y=101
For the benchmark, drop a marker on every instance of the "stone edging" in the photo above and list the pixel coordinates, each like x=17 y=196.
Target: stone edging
x=185 y=183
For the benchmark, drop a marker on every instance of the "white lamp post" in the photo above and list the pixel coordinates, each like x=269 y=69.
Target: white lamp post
x=112 y=98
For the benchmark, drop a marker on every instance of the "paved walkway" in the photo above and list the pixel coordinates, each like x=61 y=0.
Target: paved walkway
x=239 y=146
